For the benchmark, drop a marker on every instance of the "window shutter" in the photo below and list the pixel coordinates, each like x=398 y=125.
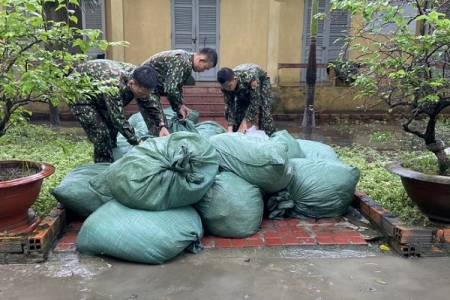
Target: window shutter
x=329 y=31
x=182 y=23
x=94 y=18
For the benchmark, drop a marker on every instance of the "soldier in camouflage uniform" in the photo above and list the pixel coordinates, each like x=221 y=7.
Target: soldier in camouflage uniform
x=102 y=114
x=174 y=67
x=248 y=94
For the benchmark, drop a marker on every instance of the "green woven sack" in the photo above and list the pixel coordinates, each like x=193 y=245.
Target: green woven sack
x=317 y=150
x=151 y=237
x=75 y=192
x=209 y=128
x=175 y=125
x=232 y=207
x=321 y=188
x=162 y=173
x=193 y=114
x=294 y=150
x=260 y=161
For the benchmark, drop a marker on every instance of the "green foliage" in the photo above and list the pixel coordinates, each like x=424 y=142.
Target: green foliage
x=39 y=143
x=382 y=186
x=37 y=55
x=403 y=48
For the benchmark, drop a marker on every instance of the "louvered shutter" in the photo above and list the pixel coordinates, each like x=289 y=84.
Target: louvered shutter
x=183 y=25
x=208 y=32
x=195 y=26
x=329 y=31
x=94 y=18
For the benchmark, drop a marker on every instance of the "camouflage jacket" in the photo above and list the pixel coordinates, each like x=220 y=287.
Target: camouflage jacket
x=108 y=73
x=247 y=93
x=173 y=67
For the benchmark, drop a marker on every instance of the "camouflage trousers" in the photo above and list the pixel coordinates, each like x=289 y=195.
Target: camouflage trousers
x=99 y=130
x=264 y=119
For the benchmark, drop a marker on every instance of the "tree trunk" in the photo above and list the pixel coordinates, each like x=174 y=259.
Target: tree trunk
x=311 y=74
x=54 y=116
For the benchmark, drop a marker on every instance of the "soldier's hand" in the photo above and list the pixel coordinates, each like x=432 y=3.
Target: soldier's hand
x=164 y=132
x=183 y=113
x=243 y=127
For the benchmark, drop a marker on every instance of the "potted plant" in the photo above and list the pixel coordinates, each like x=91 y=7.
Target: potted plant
x=20 y=184
x=37 y=55
x=403 y=50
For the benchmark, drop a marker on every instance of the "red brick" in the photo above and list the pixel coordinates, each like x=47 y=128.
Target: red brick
x=275 y=241
x=331 y=228
x=292 y=222
x=74 y=226
x=325 y=240
x=206 y=241
x=329 y=220
x=341 y=240
x=357 y=240
x=70 y=234
x=323 y=234
x=349 y=233
x=308 y=221
x=266 y=223
x=284 y=229
x=68 y=240
x=317 y=228
x=273 y=235
x=222 y=243
x=307 y=241
x=64 y=247
x=255 y=242
x=255 y=236
x=239 y=243
x=301 y=234
x=268 y=229
x=291 y=240
x=278 y=223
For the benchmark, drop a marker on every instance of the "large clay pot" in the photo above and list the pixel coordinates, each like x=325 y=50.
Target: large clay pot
x=17 y=196
x=431 y=193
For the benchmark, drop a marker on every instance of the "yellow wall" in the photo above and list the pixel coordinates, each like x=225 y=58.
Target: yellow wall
x=145 y=24
x=243 y=32
x=291 y=34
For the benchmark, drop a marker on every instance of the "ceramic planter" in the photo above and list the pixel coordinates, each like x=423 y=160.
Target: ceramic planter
x=17 y=196
x=431 y=193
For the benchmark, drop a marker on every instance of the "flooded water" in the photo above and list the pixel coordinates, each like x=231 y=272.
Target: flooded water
x=379 y=135
x=376 y=134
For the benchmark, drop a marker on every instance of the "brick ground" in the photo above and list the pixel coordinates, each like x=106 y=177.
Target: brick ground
x=290 y=232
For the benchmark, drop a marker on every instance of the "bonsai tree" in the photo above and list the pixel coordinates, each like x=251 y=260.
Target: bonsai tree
x=37 y=55
x=403 y=50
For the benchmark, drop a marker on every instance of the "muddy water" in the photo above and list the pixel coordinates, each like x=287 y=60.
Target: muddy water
x=378 y=135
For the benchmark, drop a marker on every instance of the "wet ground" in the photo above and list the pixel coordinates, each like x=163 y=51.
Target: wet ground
x=381 y=135
x=283 y=273
x=315 y=273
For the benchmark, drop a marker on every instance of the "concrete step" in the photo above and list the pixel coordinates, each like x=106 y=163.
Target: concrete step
x=207 y=100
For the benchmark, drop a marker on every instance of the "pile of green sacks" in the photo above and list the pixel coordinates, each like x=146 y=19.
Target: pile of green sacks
x=159 y=198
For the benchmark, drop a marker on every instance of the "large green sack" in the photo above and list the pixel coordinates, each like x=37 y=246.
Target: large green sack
x=161 y=173
x=232 y=207
x=321 y=188
x=175 y=125
x=140 y=236
x=317 y=150
x=294 y=150
x=209 y=128
x=137 y=118
x=140 y=129
x=193 y=114
x=259 y=161
x=75 y=192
